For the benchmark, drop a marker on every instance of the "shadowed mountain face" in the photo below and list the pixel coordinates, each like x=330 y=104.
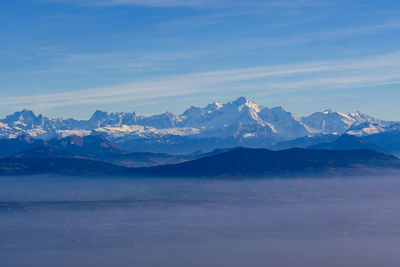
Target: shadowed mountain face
x=146 y=159
x=263 y=162
x=91 y=144
x=142 y=159
x=240 y=162
x=390 y=141
x=43 y=152
x=306 y=141
x=136 y=159
x=98 y=148
x=20 y=143
x=65 y=166
x=347 y=142
x=91 y=147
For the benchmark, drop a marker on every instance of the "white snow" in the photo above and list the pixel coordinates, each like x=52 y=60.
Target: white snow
x=240 y=118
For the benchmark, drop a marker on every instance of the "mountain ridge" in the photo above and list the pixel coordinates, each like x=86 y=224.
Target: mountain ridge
x=347 y=142
x=236 y=123
x=235 y=163
x=250 y=162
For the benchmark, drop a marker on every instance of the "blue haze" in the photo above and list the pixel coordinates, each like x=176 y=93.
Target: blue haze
x=64 y=221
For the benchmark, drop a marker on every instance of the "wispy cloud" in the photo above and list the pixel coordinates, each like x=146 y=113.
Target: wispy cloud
x=329 y=75
x=196 y=3
x=134 y=61
x=5 y=53
x=318 y=36
x=194 y=22
x=153 y=3
x=120 y=62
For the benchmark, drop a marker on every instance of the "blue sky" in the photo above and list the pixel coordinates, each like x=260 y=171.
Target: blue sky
x=70 y=57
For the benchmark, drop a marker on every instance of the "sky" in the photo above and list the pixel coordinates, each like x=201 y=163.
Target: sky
x=68 y=58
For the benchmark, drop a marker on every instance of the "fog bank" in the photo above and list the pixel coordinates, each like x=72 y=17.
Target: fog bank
x=64 y=221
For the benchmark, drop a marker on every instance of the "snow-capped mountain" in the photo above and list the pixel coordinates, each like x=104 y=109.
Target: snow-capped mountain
x=336 y=122
x=367 y=128
x=286 y=124
x=239 y=122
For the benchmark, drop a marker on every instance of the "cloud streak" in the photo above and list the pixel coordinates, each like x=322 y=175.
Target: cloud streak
x=320 y=36
x=329 y=75
x=150 y=3
x=134 y=61
x=195 y=3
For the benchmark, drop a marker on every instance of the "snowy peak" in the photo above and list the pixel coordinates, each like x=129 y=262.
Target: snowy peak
x=330 y=122
x=99 y=115
x=287 y=124
x=102 y=118
x=25 y=119
x=162 y=121
x=240 y=119
x=213 y=107
x=241 y=101
x=365 y=128
x=97 y=119
x=337 y=122
x=216 y=115
x=244 y=103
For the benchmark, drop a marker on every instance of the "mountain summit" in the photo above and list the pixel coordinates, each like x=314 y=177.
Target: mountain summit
x=238 y=122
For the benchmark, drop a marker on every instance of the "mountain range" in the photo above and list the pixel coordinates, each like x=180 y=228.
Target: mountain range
x=234 y=163
x=321 y=154
x=295 y=162
x=237 y=123
x=91 y=147
x=347 y=142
